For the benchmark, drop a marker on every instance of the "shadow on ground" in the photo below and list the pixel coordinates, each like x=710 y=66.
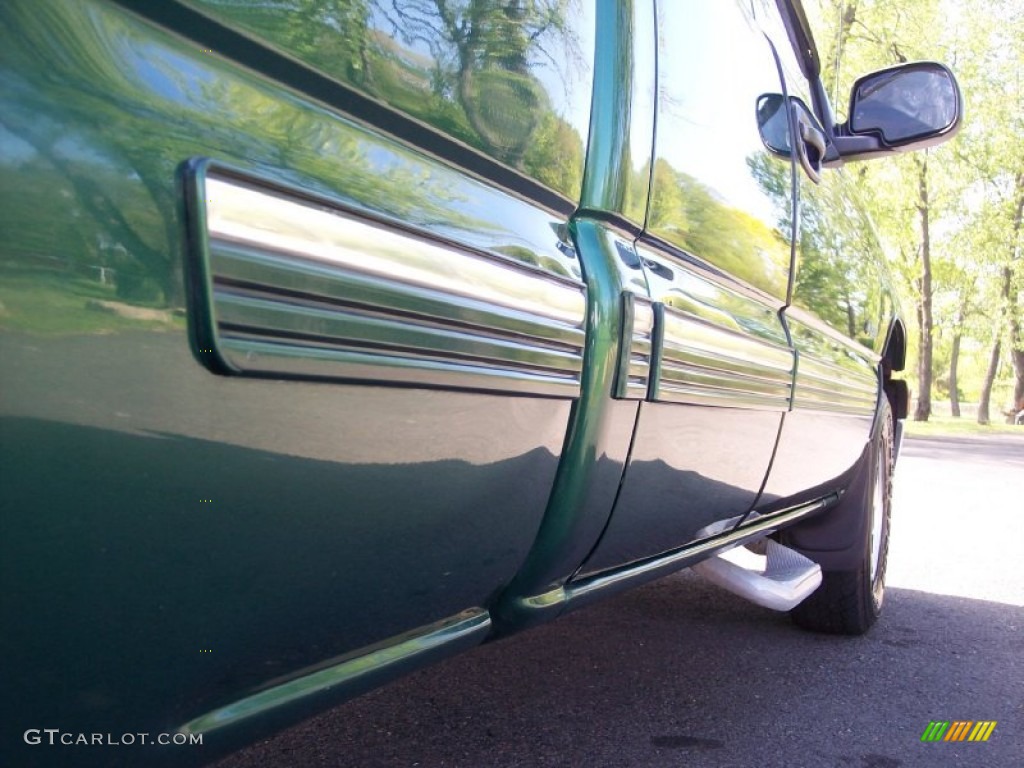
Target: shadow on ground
x=679 y=673
x=1000 y=449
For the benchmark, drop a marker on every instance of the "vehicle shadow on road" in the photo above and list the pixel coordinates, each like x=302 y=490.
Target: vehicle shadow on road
x=680 y=673
x=998 y=448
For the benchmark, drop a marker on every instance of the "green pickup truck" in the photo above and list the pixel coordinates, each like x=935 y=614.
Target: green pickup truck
x=337 y=337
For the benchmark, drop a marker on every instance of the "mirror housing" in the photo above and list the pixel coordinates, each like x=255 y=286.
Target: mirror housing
x=899 y=109
x=776 y=125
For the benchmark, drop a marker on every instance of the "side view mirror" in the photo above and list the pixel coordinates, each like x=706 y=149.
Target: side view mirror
x=902 y=108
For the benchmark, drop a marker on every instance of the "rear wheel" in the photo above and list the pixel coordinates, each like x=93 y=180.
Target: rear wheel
x=849 y=601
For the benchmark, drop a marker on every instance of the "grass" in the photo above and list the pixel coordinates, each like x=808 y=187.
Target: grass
x=940 y=425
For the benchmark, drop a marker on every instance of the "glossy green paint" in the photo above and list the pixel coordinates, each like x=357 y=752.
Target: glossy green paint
x=312 y=690
x=225 y=546
x=512 y=82
x=716 y=255
x=596 y=446
x=617 y=178
x=716 y=192
x=174 y=539
x=721 y=378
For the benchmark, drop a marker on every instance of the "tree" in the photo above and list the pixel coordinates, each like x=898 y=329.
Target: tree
x=994 y=68
x=967 y=192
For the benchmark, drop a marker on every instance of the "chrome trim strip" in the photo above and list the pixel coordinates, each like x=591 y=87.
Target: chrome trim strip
x=302 y=288
x=657 y=349
x=235 y=265
x=353 y=330
x=274 y=223
x=810 y=399
x=830 y=373
x=834 y=374
x=465 y=630
x=825 y=386
x=584 y=590
x=706 y=365
x=292 y=360
x=633 y=376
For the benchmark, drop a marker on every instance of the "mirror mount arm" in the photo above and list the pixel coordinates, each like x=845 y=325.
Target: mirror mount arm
x=845 y=146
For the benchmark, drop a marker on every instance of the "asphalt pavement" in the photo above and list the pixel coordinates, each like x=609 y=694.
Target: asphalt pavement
x=679 y=673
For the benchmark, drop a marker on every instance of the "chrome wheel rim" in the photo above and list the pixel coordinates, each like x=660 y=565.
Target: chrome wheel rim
x=877 y=515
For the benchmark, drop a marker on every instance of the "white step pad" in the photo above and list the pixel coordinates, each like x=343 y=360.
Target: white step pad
x=779 y=580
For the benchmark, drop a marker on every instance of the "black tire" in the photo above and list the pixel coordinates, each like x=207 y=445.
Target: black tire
x=848 y=602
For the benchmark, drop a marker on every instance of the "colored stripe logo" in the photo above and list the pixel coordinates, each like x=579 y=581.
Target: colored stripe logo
x=958 y=730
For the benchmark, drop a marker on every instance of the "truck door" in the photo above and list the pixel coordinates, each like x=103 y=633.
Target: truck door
x=716 y=250
x=838 y=317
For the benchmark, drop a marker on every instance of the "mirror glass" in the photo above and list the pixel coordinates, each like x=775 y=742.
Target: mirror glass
x=773 y=123
x=901 y=104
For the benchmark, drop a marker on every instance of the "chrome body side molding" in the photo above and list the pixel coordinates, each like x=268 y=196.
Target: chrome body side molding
x=824 y=386
x=362 y=670
x=292 y=286
x=585 y=590
x=590 y=588
x=702 y=364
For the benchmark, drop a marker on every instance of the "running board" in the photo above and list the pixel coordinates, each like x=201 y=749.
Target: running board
x=780 y=579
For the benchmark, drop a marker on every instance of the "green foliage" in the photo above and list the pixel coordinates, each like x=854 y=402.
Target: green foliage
x=941 y=426
x=951 y=215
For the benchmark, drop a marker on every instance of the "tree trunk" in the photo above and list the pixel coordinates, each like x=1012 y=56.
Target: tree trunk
x=1016 y=344
x=835 y=48
x=1013 y=308
x=954 y=361
x=1018 y=372
x=990 y=377
x=924 y=307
